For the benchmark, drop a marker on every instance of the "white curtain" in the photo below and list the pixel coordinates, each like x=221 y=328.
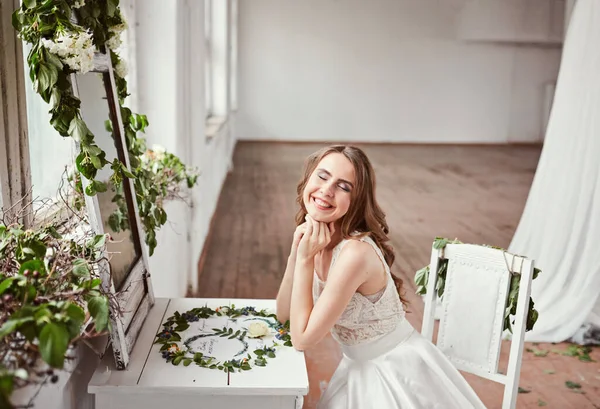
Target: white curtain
x=560 y=226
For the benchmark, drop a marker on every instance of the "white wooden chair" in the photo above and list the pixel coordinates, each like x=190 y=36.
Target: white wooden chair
x=477 y=285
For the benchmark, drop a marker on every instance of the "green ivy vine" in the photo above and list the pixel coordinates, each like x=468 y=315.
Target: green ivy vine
x=62 y=33
x=422 y=278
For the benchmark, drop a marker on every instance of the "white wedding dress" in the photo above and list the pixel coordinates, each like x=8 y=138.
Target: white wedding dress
x=386 y=364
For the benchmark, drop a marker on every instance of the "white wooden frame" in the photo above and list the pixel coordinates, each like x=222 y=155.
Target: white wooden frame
x=218 y=43
x=136 y=296
x=475 y=270
x=208 y=65
x=15 y=173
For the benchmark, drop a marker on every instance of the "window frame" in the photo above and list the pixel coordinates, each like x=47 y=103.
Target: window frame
x=208 y=67
x=15 y=174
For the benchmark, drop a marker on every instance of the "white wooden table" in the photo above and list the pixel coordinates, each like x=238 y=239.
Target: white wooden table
x=150 y=382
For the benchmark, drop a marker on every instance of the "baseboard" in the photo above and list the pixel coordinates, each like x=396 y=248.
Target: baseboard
x=399 y=143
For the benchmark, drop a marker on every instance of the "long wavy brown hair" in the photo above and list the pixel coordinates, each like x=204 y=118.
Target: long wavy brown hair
x=364 y=217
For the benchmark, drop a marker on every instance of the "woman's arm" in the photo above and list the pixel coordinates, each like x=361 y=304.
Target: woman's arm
x=310 y=323
x=284 y=294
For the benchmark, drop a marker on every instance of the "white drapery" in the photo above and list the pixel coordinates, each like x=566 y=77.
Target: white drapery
x=560 y=225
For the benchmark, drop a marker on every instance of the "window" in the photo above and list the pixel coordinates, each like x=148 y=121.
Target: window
x=233 y=56
x=49 y=153
x=216 y=33
x=14 y=158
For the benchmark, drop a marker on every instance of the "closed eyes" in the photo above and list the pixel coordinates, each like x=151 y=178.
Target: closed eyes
x=344 y=185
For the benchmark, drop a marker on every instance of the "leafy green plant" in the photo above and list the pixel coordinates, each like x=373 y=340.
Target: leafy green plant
x=50 y=299
x=164 y=174
x=422 y=278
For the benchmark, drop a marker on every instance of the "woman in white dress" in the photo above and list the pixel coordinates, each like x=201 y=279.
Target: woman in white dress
x=338 y=279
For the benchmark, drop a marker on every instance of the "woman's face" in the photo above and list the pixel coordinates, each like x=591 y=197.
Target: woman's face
x=328 y=190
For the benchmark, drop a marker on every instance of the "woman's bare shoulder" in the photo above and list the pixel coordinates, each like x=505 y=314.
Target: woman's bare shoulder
x=358 y=253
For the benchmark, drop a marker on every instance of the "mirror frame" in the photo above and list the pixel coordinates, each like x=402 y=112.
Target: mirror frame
x=136 y=295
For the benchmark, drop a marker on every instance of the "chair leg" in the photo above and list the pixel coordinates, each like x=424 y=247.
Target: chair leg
x=430 y=297
x=518 y=339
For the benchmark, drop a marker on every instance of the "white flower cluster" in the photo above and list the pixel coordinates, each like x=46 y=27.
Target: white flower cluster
x=157 y=153
x=78 y=4
x=121 y=68
x=114 y=41
x=74 y=48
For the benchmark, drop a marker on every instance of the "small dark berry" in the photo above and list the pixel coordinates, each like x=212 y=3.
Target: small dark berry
x=54 y=379
x=7 y=298
x=36 y=274
x=50 y=371
x=26 y=273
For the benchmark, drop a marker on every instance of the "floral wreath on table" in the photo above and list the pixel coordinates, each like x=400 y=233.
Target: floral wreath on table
x=176 y=352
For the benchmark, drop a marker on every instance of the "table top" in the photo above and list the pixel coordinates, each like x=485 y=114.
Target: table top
x=149 y=372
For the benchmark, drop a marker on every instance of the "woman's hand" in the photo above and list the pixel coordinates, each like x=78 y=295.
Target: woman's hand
x=300 y=230
x=316 y=237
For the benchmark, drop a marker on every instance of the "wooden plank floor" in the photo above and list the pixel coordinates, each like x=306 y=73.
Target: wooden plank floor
x=473 y=193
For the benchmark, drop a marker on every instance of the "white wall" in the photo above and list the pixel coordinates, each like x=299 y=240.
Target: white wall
x=170 y=81
x=395 y=70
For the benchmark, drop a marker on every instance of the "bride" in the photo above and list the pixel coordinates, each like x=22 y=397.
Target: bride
x=338 y=279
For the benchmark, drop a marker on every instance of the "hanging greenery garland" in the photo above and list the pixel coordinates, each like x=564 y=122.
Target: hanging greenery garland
x=65 y=35
x=422 y=278
x=176 y=352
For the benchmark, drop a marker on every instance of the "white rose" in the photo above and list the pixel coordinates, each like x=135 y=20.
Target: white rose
x=257 y=329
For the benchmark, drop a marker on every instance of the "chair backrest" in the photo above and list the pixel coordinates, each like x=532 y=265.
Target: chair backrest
x=476 y=288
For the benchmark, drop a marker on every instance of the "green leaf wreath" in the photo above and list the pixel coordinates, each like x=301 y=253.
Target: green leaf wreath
x=422 y=278
x=176 y=352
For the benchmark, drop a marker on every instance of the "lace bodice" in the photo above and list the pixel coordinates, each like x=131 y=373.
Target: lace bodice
x=365 y=318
